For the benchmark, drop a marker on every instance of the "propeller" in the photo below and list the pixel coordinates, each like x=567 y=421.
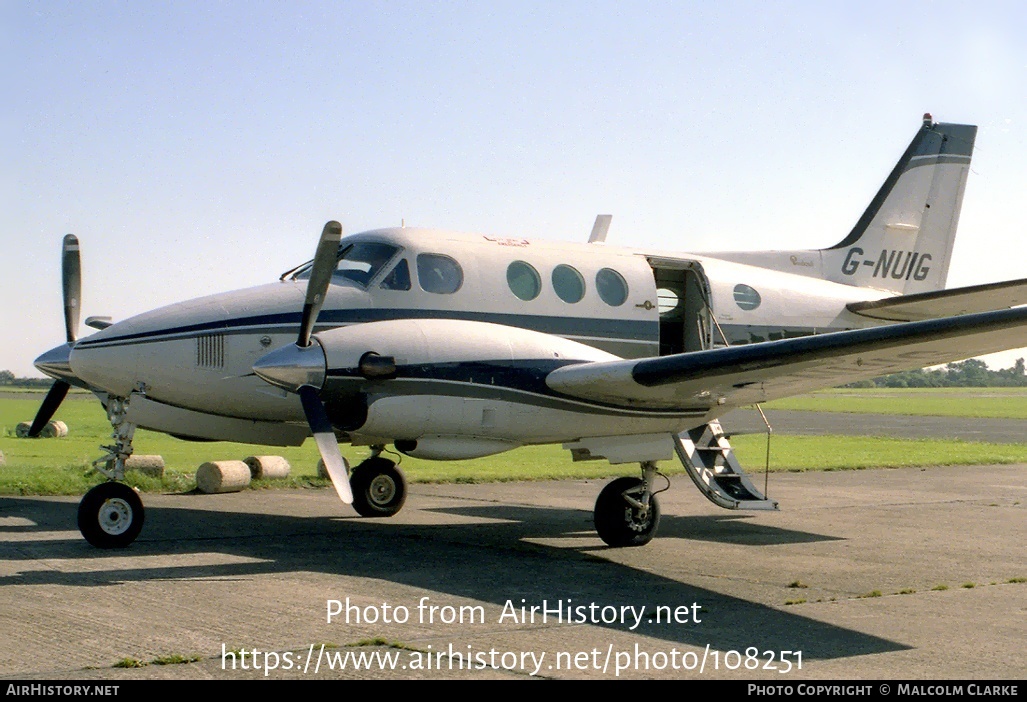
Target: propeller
x=51 y=402
x=324 y=264
x=327 y=444
x=71 y=282
x=309 y=368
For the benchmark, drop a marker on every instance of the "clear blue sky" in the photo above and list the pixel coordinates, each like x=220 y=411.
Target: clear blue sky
x=196 y=147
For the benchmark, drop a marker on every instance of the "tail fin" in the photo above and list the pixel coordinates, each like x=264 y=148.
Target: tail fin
x=903 y=242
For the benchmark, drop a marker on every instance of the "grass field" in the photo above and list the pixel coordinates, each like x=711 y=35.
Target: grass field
x=1007 y=403
x=60 y=466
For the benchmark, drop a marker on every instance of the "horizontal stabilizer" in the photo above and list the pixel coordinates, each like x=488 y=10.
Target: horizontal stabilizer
x=717 y=380
x=945 y=303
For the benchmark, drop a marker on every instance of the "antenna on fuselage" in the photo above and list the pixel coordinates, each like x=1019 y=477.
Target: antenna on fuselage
x=600 y=229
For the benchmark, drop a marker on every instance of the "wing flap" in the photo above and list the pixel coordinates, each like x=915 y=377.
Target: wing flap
x=740 y=375
x=945 y=303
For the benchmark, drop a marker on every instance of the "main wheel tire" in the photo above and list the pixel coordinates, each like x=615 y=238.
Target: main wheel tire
x=111 y=515
x=379 y=488
x=618 y=522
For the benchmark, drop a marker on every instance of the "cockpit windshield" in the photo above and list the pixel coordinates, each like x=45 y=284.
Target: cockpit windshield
x=359 y=262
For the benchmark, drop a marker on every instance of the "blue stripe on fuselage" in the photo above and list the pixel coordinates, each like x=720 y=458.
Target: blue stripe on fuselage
x=621 y=329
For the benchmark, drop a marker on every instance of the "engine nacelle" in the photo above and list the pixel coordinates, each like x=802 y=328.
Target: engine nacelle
x=413 y=342
x=456 y=379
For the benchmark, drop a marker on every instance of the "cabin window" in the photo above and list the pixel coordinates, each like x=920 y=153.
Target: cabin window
x=611 y=286
x=746 y=297
x=398 y=278
x=668 y=302
x=568 y=284
x=439 y=274
x=524 y=280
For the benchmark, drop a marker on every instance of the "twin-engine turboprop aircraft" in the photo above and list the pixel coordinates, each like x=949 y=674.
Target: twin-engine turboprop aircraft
x=451 y=346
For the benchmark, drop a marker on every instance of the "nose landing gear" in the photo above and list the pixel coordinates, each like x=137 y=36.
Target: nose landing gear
x=111 y=515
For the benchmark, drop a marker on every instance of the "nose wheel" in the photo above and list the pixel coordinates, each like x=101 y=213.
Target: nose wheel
x=379 y=488
x=110 y=515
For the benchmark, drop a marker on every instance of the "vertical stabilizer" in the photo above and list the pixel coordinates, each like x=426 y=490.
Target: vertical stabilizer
x=903 y=241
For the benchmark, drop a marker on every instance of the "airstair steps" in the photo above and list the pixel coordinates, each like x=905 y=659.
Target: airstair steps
x=710 y=462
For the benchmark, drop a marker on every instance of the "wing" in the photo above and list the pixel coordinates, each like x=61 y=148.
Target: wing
x=721 y=379
x=945 y=303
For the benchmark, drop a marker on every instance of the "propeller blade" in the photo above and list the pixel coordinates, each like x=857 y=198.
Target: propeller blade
x=50 y=404
x=325 y=261
x=71 y=282
x=327 y=444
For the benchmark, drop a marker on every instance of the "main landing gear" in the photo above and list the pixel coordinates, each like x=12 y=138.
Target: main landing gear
x=626 y=511
x=111 y=514
x=379 y=487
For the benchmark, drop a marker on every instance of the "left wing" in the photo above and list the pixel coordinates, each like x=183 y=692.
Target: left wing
x=724 y=378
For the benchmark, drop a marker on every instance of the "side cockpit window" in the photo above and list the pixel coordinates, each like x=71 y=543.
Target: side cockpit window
x=439 y=274
x=398 y=278
x=362 y=261
x=358 y=263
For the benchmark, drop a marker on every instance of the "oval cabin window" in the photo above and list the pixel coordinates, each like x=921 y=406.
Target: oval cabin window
x=440 y=274
x=524 y=280
x=746 y=297
x=568 y=284
x=611 y=286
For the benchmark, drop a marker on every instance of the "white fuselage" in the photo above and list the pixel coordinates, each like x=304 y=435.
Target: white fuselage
x=193 y=360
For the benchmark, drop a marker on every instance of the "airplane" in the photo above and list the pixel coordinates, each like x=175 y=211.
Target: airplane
x=451 y=346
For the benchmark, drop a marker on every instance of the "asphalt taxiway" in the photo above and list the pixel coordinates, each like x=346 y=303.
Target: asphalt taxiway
x=882 y=574
x=903 y=426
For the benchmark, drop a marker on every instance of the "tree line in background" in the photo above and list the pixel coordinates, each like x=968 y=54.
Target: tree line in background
x=7 y=379
x=972 y=373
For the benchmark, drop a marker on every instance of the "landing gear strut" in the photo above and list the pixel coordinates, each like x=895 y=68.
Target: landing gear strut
x=111 y=514
x=379 y=488
x=626 y=511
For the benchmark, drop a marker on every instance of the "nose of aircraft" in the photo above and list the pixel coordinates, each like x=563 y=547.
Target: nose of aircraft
x=292 y=367
x=56 y=363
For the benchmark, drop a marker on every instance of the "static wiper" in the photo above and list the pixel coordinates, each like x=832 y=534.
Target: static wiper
x=294 y=269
